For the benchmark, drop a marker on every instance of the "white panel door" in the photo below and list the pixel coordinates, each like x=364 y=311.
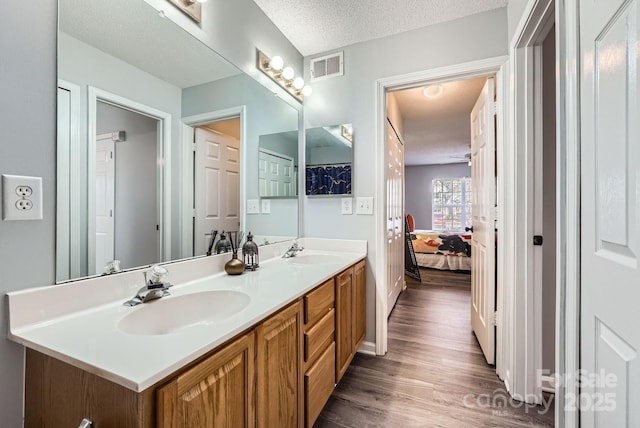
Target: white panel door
x=216 y=186
x=275 y=174
x=105 y=201
x=610 y=213
x=483 y=241
x=394 y=217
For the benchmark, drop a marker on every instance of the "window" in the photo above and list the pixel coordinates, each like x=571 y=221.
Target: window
x=451 y=203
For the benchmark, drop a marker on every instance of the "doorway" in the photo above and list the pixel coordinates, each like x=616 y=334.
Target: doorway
x=219 y=162
x=127 y=209
x=449 y=132
x=136 y=213
x=216 y=182
x=494 y=66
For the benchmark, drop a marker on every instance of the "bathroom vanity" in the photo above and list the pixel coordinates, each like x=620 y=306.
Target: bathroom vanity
x=268 y=354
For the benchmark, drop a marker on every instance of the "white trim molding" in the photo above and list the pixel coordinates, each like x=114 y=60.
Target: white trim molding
x=70 y=196
x=368 y=348
x=163 y=175
x=485 y=67
x=527 y=312
x=568 y=223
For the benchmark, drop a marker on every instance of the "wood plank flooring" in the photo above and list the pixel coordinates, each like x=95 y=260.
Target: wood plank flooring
x=434 y=373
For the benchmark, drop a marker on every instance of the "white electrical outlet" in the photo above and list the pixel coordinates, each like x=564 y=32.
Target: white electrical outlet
x=266 y=206
x=364 y=206
x=253 y=206
x=21 y=197
x=347 y=206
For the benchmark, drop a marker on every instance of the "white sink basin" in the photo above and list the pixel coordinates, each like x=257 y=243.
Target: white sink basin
x=171 y=314
x=314 y=259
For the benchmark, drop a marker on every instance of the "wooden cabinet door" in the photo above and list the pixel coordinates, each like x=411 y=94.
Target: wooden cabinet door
x=318 y=384
x=279 y=370
x=218 y=392
x=344 y=335
x=359 y=304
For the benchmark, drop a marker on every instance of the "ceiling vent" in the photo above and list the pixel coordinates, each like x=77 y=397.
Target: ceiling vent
x=327 y=66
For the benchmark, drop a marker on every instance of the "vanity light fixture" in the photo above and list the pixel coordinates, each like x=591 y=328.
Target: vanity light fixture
x=192 y=8
x=433 y=91
x=284 y=76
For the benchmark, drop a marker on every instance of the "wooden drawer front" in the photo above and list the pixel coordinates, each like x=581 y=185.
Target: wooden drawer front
x=318 y=337
x=319 y=384
x=318 y=302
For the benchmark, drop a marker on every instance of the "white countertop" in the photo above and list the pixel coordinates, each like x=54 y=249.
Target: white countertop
x=89 y=338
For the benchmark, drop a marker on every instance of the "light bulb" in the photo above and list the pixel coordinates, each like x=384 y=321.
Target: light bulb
x=433 y=91
x=276 y=63
x=288 y=73
x=298 y=83
x=307 y=90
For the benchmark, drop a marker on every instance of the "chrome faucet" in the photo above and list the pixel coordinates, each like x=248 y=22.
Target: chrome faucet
x=154 y=288
x=292 y=251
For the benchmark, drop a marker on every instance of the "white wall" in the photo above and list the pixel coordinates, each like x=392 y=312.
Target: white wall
x=27 y=147
x=136 y=201
x=351 y=99
x=28 y=86
x=515 y=9
x=419 y=190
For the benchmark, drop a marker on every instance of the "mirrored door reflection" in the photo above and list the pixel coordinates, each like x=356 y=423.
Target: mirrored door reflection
x=127 y=209
x=216 y=181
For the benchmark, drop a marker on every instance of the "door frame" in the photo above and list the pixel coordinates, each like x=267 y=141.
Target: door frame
x=526 y=133
x=490 y=66
x=186 y=179
x=527 y=313
x=69 y=196
x=163 y=172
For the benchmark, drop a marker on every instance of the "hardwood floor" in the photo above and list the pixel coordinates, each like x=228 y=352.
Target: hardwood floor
x=434 y=373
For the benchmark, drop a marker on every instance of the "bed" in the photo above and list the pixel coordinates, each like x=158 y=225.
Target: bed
x=442 y=250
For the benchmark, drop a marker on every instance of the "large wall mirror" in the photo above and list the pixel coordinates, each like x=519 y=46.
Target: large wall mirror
x=158 y=141
x=329 y=160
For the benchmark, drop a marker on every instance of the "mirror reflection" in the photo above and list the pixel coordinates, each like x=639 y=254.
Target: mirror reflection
x=329 y=160
x=278 y=165
x=158 y=141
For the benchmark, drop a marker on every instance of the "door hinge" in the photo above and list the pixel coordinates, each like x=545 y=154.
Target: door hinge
x=195 y=147
x=494 y=318
x=494 y=108
x=193 y=213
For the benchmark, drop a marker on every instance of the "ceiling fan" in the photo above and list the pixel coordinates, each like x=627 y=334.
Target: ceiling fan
x=466 y=157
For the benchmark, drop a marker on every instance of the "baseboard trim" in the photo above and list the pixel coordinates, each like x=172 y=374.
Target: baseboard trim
x=548 y=384
x=368 y=348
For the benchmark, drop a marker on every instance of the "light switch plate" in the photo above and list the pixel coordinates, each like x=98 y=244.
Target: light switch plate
x=364 y=205
x=266 y=206
x=21 y=197
x=253 y=206
x=347 y=206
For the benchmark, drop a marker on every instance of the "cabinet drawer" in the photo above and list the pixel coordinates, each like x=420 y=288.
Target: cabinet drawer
x=318 y=302
x=319 y=384
x=319 y=336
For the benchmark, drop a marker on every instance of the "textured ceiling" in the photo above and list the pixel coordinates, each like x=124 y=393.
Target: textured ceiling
x=134 y=32
x=316 y=26
x=438 y=130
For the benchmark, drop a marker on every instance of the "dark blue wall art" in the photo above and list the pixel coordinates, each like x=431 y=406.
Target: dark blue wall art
x=328 y=179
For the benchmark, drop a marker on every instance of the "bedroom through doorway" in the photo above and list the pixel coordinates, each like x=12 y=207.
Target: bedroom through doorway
x=439 y=122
